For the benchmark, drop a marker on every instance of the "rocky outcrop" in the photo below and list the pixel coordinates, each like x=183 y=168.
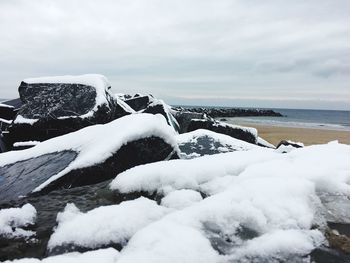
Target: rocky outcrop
x=217 y=112
x=139 y=102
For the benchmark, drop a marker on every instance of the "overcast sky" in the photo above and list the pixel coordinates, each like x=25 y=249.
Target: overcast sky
x=259 y=53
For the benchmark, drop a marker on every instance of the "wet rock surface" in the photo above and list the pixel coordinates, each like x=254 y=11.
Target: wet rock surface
x=21 y=178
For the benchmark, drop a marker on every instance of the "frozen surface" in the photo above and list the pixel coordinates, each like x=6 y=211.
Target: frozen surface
x=105 y=225
x=12 y=221
x=108 y=255
x=96 y=143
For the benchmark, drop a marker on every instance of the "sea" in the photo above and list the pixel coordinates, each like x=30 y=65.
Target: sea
x=321 y=119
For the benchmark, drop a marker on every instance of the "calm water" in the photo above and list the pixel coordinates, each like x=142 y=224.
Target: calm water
x=327 y=119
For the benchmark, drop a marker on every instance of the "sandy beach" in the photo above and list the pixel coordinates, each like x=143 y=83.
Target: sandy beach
x=274 y=134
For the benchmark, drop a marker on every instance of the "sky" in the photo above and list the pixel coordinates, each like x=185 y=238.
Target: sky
x=246 y=53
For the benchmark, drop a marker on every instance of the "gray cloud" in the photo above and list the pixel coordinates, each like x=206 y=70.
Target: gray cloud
x=288 y=53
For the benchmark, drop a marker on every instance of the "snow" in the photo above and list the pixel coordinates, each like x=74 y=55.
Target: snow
x=3 y=105
x=120 y=222
x=26 y=143
x=256 y=205
x=21 y=119
x=97 y=143
x=265 y=203
x=99 y=82
x=5 y=121
x=164 y=177
x=181 y=198
x=108 y=255
x=13 y=219
x=265 y=143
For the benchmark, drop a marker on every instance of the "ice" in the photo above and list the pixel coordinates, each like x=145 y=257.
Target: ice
x=105 y=225
x=13 y=219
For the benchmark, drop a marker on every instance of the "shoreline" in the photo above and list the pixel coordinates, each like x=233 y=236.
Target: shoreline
x=274 y=133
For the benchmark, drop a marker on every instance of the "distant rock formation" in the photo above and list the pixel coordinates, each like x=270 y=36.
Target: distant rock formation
x=230 y=112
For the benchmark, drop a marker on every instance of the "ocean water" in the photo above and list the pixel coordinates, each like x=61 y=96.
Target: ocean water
x=324 y=119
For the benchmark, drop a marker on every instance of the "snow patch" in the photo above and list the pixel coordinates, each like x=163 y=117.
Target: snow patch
x=13 y=219
x=104 y=225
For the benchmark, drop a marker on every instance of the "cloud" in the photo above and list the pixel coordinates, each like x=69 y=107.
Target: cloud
x=230 y=48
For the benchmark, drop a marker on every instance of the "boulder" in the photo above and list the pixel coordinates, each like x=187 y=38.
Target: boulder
x=54 y=106
x=8 y=111
x=88 y=156
x=159 y=107
x=121 y=108
x=184 y=118
x=204 y=142
x=139 y=102
x=246 y=134
x=286 y=146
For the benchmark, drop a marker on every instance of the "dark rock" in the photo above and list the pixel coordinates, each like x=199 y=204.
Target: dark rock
x=238 y=132
x=21 y=178
x=8 y=111
x=159 y=107
x=290 y=143
x=139 y=102
x=122 y=109
x=327 y=255
x=184 y=118
x=57 y=109
x=217 y=112
x=205 y=142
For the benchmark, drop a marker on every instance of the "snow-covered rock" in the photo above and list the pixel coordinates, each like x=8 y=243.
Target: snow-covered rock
x=53 y=106
x=107 y=255
x=140 y=102
x=239 y=132
x=12 y=221
x=159 y=107
x=87 y=156
x=103 y=226
x=204 y=142
x=184 y=118
x=259 y=205
x=286 y=146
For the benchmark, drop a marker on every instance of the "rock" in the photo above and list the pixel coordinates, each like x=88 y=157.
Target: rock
x=159 y=107
x=286 y=146
x=122 y=109
x=184 y=118
x=204 y=142
x=217 y=112
x=55 y=106
x=88 y=156
x=139 y=103
x=242 y=133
